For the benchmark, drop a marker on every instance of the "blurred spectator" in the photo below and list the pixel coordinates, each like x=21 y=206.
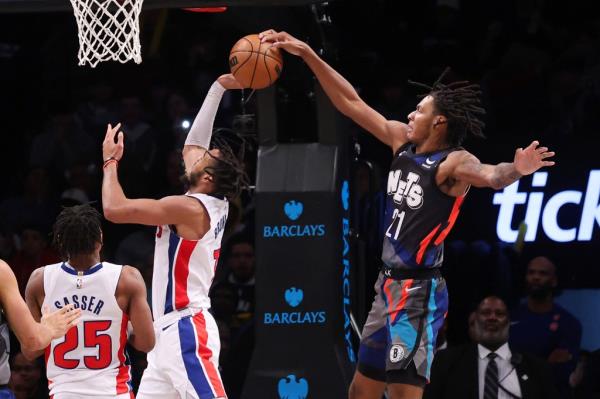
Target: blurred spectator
x=584 y=379
x=140 y=142
x=240 y=262
x=26 y=378
x=82 y=176
x=35 y=206
x=98 y=110
x=7 y=242
x=225 y=338
x=487 y=264
x=34 y=252
x=62 y=144
x=489 y=367
x=171 y=182
x=542 y=327
x=223 y=302
x=135 y=247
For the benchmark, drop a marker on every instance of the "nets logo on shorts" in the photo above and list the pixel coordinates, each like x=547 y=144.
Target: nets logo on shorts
x=291 y=388
x=396 y=353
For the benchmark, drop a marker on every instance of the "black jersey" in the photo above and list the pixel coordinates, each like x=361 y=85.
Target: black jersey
x=418 y=214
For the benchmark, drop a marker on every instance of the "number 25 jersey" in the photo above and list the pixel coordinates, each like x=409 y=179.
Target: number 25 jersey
x=90 y=360
x=418 y=215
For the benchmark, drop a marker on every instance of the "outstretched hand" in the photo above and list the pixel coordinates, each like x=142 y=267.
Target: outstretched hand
x=229 y=81
x=61 y=320
x=532 y=158
x=110 y=149
x=285 y=41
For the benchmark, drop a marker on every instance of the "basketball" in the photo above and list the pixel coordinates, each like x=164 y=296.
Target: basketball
x=254 y=64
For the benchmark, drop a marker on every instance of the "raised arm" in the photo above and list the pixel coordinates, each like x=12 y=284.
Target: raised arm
x=341 y=93
x=32 y=335
x=199 y=136
x=132 y=289
x=470 y=170
x=120 y=209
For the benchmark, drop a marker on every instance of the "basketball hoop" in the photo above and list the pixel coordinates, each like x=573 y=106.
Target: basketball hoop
x=108 y=30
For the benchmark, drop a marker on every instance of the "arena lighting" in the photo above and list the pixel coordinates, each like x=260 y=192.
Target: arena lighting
x=578 y=230
x=185 y=124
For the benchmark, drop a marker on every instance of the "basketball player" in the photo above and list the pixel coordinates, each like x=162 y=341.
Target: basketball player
x=31 y=335
x=427 y=183
x=184 y=363
x=91 y=360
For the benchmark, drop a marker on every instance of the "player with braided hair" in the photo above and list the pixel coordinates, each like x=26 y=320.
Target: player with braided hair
x=428 y=180
x=184 y=362
x=110 y=297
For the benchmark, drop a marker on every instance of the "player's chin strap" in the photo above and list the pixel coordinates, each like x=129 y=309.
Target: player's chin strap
x=201 y=131
x=515 y=360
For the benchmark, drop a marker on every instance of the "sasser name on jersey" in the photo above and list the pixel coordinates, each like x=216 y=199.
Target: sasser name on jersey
x=83 y=302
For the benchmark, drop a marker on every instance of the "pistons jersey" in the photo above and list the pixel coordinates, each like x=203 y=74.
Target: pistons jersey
x=418 y=215
x=184 y=269
x=90 y=360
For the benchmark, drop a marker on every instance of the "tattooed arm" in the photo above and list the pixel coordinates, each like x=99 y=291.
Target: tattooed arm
x=471 y=171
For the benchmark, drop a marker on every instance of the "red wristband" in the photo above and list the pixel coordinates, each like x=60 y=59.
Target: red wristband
x=109 y=160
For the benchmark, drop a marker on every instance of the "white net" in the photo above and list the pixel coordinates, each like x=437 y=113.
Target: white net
x=108 y=30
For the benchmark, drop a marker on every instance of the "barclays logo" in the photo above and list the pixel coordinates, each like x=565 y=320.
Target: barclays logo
x=345 y=195
x=293 y=296
x=346 y=265
x=291 y=388
x=293 y=209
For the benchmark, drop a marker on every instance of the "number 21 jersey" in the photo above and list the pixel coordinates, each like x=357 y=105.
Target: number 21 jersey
x=418 y=215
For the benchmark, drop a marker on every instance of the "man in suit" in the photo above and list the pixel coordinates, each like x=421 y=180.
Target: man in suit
x=487 y=368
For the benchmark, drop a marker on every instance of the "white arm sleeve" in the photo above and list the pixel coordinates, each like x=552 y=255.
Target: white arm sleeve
x=201 y=130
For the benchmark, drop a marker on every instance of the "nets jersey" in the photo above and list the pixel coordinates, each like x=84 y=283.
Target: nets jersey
x=184 y=269
x=418 y=214
x=4 y=350
x=90 y=360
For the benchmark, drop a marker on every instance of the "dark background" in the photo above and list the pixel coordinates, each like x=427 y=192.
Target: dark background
x=538 y=63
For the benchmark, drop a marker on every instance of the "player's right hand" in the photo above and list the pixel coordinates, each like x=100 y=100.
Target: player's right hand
x=229 y=81
x=285 y=41
x=61 y=320
x=110 y=149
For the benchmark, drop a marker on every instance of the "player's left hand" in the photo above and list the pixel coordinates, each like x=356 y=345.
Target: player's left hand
x=285 y=41
x=532 y=158
x=110 y=149
x=60 y=321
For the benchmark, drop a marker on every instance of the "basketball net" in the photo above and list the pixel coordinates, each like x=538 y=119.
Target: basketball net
x=108 y=30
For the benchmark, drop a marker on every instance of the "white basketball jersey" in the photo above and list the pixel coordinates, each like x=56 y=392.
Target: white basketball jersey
x=184 y=269
x=90 y=360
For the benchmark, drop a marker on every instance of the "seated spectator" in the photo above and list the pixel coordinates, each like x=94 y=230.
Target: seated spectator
x=542 y=327
x=489 y=368
x=26 y=380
